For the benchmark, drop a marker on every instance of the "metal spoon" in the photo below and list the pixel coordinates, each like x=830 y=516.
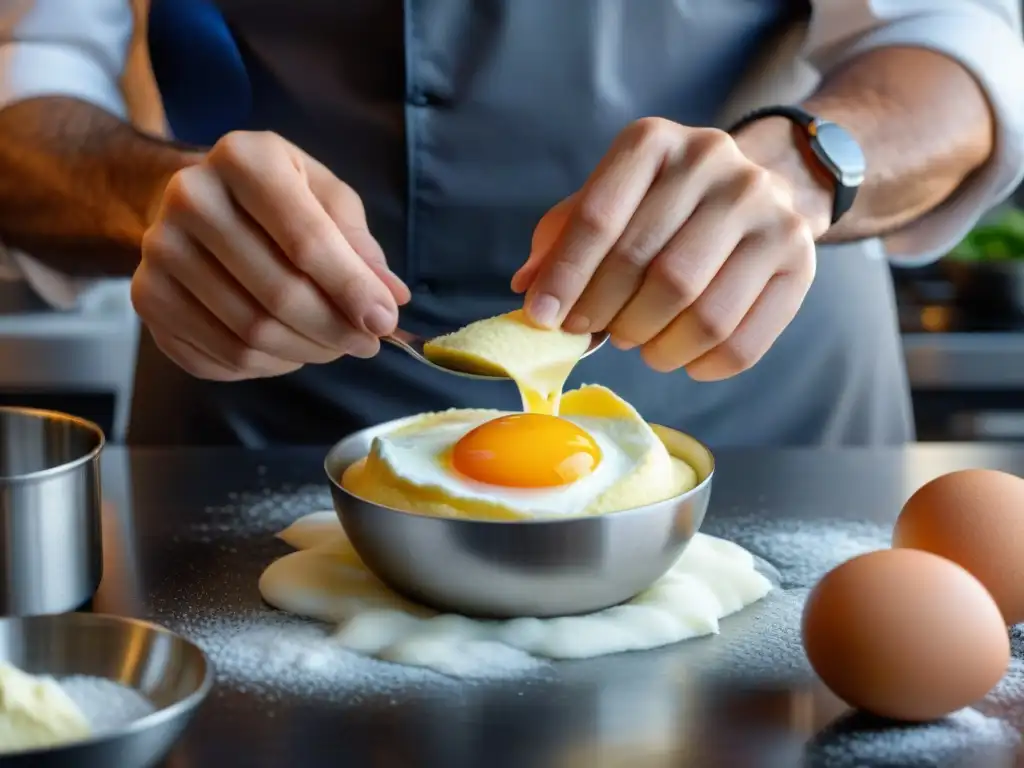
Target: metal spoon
x=412 y=345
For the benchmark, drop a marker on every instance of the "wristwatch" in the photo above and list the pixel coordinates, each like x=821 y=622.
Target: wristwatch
x=829 y=148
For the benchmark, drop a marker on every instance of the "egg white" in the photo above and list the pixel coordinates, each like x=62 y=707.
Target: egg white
x=419 y=458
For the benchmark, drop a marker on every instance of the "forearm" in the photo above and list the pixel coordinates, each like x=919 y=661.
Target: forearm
x=78 y=185
x=923 y=122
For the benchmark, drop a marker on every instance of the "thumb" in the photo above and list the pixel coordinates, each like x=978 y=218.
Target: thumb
x=545 y=234
x=345 y=208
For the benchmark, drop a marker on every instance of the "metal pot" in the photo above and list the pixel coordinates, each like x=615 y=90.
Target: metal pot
x=50 y=511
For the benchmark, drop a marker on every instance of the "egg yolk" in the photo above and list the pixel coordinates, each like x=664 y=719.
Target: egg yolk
x=526 y=450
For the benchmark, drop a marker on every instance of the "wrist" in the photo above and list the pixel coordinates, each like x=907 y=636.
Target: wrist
x=775 y=143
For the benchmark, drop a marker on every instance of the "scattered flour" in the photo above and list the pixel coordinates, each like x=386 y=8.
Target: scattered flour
x=1007 y=698
x=107 y=705
x=762 y=645
x=254 y=515
x=267 y=654
x=802 y=550
x=965 y=738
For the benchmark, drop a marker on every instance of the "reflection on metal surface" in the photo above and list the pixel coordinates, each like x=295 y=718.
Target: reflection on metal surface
x=764 y=725
x=641 y=719
x=119 y=591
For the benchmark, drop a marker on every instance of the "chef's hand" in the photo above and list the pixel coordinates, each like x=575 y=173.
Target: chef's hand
x=259 y=261
x=678 y=244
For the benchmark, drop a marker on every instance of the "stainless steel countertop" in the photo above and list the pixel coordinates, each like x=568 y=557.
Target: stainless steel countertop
x=965 y=361
x=709 y=702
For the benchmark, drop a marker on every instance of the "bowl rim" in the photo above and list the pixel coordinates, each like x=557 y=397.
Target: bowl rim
x=396 y=423
x=159 y=715
x=45 y=414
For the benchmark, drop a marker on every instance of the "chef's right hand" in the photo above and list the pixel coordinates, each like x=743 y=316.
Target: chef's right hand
x=258 y=261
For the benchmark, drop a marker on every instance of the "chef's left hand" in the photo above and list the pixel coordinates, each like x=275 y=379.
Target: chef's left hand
x=680 y=244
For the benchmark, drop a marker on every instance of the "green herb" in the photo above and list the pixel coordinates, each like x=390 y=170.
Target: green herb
x=999 y=239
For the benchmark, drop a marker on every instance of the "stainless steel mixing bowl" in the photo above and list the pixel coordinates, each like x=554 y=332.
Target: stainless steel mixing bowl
x=167 y=669
x=525 y=568
x=50 y=508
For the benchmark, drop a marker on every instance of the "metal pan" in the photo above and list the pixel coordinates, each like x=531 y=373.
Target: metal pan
x=171 y=672
x=536 y=568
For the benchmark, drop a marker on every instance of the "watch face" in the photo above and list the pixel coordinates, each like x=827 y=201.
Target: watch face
x=840 y=151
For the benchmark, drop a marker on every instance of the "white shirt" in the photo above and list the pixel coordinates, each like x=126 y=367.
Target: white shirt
x=79 y=48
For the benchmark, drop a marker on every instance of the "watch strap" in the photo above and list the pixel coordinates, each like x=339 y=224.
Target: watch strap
x=801 y=117
x=842 y=194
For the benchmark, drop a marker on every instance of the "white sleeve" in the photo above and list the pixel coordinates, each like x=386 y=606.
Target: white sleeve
x=64 y=48
x=72 y=48
x=985 y=37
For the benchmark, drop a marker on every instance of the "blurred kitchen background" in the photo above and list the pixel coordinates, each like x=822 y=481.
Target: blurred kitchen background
x=75 y=355
x=962 y=320
x=963 y=333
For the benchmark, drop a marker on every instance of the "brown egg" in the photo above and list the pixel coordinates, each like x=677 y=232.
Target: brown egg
x=974 y=517
x=905 y=634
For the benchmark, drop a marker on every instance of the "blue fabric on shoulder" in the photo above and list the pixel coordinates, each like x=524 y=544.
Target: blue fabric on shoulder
x=198 y=67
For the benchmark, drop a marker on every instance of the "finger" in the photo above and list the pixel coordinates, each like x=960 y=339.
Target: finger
x=545 y=234
x=166 y=306
x=197 y=202
x=193 y=360
x=272 y=186
x=680 y=273
x=669 y=203
x=346 y=209
x=605 y=205
x=773 y=311
x=200 y=274
x=717 y=313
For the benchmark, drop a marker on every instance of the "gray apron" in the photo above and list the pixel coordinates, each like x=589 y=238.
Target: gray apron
x=460 y=122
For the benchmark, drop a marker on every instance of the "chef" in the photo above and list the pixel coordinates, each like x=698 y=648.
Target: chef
x=718 y=184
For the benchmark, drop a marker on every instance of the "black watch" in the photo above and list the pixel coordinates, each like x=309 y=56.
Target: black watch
x=837 y=153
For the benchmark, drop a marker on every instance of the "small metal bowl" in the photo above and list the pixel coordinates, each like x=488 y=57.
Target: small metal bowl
x=50 y=510
x=533 y=568
x=168 y=670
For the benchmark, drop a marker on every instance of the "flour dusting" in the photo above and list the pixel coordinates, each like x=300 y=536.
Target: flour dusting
x=965 y=738
x=802 y=550
x=106 y=704
x=268 y=655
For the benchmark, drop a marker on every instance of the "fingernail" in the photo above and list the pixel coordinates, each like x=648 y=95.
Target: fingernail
x=398 y=280
x=380 y=320
x=622 y=344
x=543 y=309
x=576 y=324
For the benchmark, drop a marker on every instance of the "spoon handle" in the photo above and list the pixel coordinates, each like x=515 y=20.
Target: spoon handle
x=404 y=341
